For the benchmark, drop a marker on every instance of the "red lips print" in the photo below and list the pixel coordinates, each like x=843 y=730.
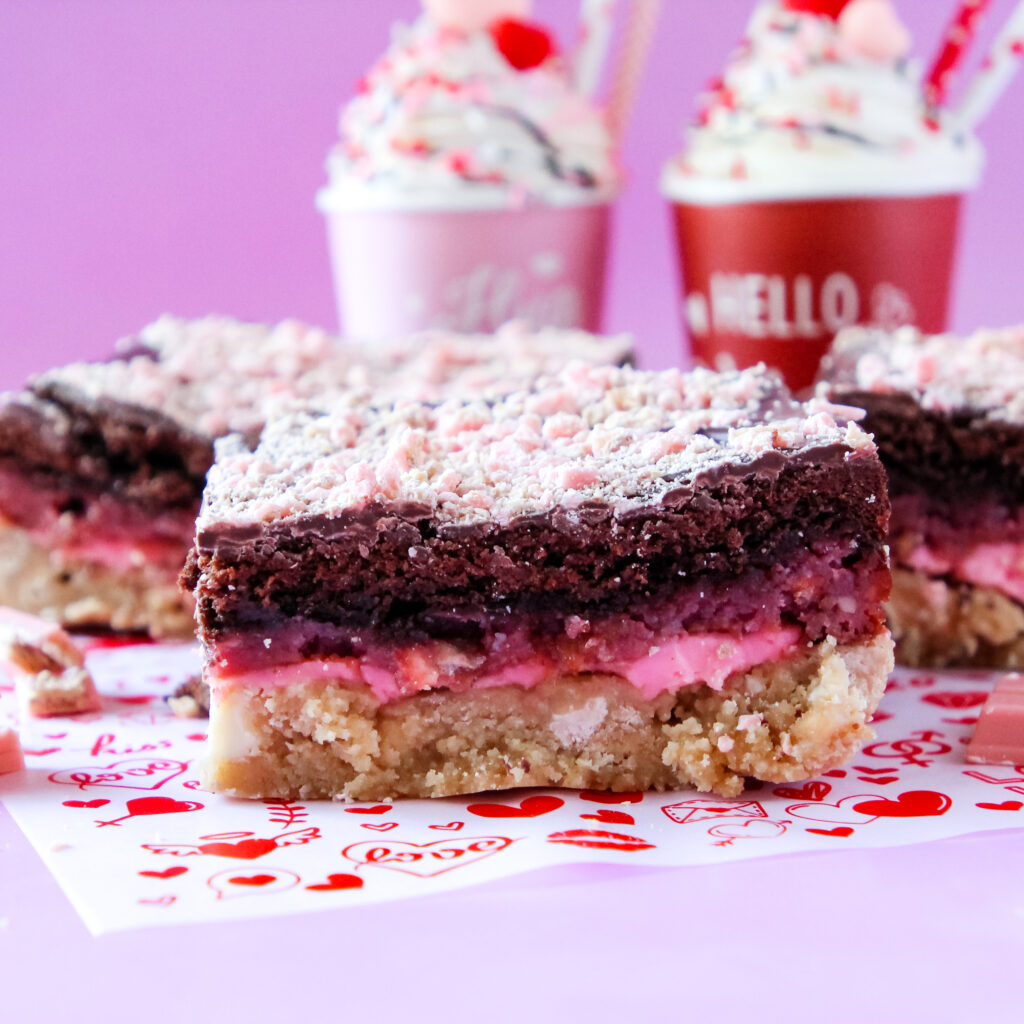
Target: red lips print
x=594 y=839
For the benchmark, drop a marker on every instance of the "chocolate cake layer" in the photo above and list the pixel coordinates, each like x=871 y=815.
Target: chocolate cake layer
x=955 y=458
x=403 y=572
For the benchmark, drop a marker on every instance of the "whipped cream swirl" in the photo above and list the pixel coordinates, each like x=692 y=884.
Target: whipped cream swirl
x=811 y=105
x=444 y=120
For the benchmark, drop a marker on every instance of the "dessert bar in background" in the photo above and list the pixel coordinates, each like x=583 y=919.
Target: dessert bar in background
x=610 y=580
x=947 y=414
x=102 y=465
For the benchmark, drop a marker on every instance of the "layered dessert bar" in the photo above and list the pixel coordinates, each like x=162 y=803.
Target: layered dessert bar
x=947 y=414
x=102 y=465
x=613 y=580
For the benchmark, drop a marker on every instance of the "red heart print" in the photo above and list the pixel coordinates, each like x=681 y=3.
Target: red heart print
x=247 y=849
x=252 y=879
x=160 y=805
x=808 y=791
x=339 y=881
x=879 y=782
x=378 y=809
x=607 y=817
x=166 y=873
x=452 y=826
x=199 y=737
x=836 y=773
x=1008 y=805
x=531 y=807
x=595 y=839
x=383 y=826
x=842 y=832
x=956 y=700
x=86 y=803
x=611 y=798
x=916 y=804
x=163 y=901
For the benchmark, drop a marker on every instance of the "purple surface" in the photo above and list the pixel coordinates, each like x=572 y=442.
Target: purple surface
x=922 y=933
x=162 y=155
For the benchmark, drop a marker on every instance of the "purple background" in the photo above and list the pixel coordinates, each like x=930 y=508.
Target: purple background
x=162 y=155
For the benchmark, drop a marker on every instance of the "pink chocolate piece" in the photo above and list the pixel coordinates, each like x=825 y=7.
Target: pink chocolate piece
x=11 y=757
x=999 y=736
x=49 y=673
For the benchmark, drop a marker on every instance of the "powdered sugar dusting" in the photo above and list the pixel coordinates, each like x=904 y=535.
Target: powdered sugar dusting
x=586 y=433
x=983 y=373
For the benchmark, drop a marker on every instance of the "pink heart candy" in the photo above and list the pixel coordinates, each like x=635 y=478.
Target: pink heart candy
x=474 y=15
x=873 y=29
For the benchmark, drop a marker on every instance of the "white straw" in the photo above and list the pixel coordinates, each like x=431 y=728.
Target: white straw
x=596 y=21
x=997 y=70
x=643 y=17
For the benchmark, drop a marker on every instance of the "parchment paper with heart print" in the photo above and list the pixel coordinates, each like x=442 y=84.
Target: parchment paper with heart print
x=112 y=804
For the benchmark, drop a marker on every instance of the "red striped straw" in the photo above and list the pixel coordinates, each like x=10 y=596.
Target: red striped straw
x=957 y=41
x=632 y=57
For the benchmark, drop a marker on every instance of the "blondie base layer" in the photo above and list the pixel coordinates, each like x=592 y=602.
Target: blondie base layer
x=102 y=465
x=948 y=417
x=610 y=580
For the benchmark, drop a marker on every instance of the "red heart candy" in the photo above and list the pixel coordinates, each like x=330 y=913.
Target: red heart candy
x=247 y=849
x=842 y=832
x=531 y=807
x=86 y=803
x=166 y=873
x=916 y=804
x=335 y=882
x=826 y=8
x=252 y=879
x=522 y=43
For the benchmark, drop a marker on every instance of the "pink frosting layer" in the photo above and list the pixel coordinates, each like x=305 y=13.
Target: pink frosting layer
x=999 y=565
x=688 y=659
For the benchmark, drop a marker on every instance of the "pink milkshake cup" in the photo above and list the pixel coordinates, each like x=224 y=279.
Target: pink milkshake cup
x=819 y=189
x=473 y=181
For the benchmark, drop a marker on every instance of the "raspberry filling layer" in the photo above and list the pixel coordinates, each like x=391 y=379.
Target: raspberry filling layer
x=97 y=528
x=683 y=660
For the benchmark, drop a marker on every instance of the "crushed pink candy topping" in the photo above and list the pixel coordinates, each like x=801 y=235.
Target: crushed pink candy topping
x=609 y=434
x=984 y=371
x=218 y=375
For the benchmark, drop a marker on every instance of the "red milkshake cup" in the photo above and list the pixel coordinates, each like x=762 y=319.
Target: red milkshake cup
x=820 y=188
x=775 y=281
